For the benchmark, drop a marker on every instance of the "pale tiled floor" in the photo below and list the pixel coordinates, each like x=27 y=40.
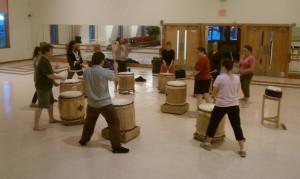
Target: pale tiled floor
x=164 y=149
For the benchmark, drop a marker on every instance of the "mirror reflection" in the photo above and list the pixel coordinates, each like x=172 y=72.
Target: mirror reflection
x=142 y=42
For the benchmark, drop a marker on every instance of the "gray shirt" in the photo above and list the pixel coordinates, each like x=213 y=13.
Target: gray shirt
x=35 y=64
x=96 y=81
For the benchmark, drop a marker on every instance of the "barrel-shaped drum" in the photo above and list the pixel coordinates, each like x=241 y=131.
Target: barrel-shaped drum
x=163 y=78
x=70 y=85
x=126 y=113
x=176 y=93
x=274 y=91
x=72 y=107
x=83 y=87
x=126 y=81
x=203 y=120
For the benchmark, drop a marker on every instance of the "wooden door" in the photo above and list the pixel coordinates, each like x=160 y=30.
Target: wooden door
x=279 y=51
x=256 y=37
x=270 y=49
x=185 y=39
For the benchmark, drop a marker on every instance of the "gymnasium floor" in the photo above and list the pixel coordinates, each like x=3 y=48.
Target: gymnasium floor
x=165 y=147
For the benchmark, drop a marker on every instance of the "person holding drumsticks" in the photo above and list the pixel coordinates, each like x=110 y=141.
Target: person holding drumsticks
x=168 y=55
x=226 y=91
x=202 y=77
x=44 y=82
x=74 y=59
x=246 y=65
x=99 y=102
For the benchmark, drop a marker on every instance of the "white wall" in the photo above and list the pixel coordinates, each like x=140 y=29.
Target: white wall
x=25 y=32
x=150 y=12
x=20 y=32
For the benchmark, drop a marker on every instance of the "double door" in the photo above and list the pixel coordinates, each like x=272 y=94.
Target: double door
x=270 y=49
x=185 y=39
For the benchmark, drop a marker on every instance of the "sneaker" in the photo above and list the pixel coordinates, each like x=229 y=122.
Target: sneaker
x=120 y=150
x=33 y=105
x=242 y=153
x=205 y=145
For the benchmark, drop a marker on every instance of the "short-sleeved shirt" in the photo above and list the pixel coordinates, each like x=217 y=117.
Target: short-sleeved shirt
x=168 y=56
x=35 y=65
x=44 y=68
x=203 y=67
x=228 y=85
x=245 y=64
x=96 y=81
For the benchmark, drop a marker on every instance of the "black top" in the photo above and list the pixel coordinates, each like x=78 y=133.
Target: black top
x=72 y=58
x=215 y=60
x=44 y=68
x=168 y=56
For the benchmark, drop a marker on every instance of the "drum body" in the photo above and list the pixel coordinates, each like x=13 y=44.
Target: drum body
x=176 y=93
x=126 y=81
x=125 y=112
x=163 y=78
x=203 y=120
x=274 y=91
x=72 y=106
x=70 y=85
x=83 y=87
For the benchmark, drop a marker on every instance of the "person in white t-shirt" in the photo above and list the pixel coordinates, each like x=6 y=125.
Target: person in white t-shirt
x=226 y=92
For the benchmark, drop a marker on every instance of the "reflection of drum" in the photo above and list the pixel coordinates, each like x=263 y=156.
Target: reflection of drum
x=163 y=78
x=203 y=120
x=176 y=93
x=274 y=91
x=70 y=85
x=126 y=81
x=71 y=107
x=83 y=88
x=125 y=112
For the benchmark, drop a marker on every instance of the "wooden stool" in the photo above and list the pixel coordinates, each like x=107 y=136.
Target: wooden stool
x=274 y=119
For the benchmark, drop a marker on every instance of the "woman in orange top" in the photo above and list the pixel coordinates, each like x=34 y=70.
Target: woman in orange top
x=202 y=77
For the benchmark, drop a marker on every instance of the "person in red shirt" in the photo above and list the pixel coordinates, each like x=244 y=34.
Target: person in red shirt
x=202 y=77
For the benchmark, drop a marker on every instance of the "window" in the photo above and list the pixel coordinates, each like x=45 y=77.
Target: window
x=54 y=34
x=222 y=33
x=214 y=33
x=143 y=31
x=120 y=31
x=4 y=35
x=92 y=33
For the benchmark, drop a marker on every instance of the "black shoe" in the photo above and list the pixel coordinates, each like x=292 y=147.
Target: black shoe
x=139 y=79
x=120 y=150
x=82 y=143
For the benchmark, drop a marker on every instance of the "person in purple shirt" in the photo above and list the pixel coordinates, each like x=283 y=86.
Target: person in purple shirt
x=226 y=91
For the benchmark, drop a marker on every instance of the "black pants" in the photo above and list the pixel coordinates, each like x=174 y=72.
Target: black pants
x=233 y=113
x=245 y=84
x=122 y=66
x=75 y=68
x=34 y=98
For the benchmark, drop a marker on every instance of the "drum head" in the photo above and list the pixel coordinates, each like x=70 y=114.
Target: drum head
x=274 y=88
x=121 y=101
x=176 y=83
x=206 y=107
x=166 y=74
x=70 y=94
x=126 y=73
x=70 y=81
